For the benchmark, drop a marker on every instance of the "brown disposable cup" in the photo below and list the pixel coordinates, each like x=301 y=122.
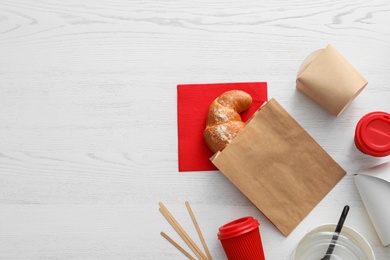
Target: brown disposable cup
x=241 y=239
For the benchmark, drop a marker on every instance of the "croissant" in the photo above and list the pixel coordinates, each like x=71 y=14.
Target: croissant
x=224 y=120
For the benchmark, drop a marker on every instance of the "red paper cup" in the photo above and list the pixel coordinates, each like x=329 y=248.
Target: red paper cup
x=241 y=239
x=372 y=134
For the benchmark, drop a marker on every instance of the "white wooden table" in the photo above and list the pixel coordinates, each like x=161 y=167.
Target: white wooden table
x=88 y=125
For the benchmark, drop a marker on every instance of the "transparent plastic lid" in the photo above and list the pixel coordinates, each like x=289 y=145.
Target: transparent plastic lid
x=349 y=245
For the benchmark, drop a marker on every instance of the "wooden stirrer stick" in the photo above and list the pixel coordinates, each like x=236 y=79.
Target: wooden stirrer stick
x=198 y=252
x=170 y=240
x=198 y=230
x=185 y=239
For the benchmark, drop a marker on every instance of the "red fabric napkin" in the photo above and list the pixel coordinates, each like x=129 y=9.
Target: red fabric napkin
x=193 y=101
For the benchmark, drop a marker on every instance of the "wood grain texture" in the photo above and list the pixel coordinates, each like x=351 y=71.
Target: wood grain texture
x=88 y=134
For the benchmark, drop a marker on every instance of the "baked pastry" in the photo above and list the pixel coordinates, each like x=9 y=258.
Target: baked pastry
x=224 y=120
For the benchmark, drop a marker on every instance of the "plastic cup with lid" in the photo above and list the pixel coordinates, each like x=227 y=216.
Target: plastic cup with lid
x=350 y=245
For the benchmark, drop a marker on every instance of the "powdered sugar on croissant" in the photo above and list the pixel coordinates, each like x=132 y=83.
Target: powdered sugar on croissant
x=224 y=120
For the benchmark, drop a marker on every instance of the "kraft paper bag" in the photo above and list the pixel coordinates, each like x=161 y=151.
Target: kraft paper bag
x=329 y=79
x=279 y=167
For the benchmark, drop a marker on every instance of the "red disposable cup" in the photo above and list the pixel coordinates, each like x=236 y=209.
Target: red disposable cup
x=241 y=239
x=372 y=134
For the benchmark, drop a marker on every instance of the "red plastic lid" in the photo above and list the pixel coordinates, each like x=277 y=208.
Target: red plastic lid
x=237 y=227
x=372 y=134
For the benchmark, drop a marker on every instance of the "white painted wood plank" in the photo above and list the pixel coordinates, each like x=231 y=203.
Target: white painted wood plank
x=88 y=134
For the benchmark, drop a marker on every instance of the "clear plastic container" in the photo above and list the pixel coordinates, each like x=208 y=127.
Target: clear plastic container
x=349 y=245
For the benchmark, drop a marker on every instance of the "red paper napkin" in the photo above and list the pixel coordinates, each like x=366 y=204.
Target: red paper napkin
x=193 y=101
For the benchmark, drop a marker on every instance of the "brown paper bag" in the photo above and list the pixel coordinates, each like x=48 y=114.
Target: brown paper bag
x=279 y=167
x=327 y=78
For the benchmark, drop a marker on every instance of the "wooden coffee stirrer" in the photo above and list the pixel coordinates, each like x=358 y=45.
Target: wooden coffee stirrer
x=206 y=249
x=170 y=240
x=181 y=232
x=186 y=238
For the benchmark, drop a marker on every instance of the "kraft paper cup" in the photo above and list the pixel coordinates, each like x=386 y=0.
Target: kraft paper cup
x=241 y=239
x=350 y=245
x=330 y=80
x=372 y=134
